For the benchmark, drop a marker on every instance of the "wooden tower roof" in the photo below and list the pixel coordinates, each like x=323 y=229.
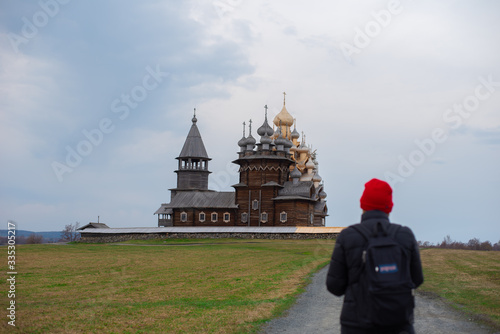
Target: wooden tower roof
x=193 y=146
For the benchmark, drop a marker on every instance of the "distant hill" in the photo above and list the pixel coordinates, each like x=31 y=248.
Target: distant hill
x=47 y=236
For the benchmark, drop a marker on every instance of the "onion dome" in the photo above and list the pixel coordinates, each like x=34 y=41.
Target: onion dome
x=310 y=164
x=265 y=130
x=265 y=140
x=243 y=141
x=317 y=178
x=280 y=140
x=284 y=117
x=250 y=140
x=302 y=148
x=295 y=174
x=322 y=194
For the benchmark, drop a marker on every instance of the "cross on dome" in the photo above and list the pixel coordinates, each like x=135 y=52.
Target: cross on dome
x=194 y=120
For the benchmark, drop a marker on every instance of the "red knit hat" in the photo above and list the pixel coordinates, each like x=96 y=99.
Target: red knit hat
x=377 y=196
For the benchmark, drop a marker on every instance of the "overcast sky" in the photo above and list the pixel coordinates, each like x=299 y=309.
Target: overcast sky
x=96 y=99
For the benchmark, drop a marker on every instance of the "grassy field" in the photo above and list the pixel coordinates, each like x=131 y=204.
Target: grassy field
x=213 y=286
x=468 y=279
x=203 y=286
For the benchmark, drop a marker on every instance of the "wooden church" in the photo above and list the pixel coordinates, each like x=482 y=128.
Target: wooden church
x=279 y=184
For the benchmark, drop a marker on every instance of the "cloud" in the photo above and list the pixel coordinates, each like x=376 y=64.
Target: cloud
x=438 y=160
x=62 y=83
x=489 y=136
x=229 y=59
x=485 y=136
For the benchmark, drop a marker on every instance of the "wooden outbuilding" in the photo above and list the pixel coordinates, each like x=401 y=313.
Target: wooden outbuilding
x=93 y=225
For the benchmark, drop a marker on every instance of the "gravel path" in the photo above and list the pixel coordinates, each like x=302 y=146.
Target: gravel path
x=317 y=311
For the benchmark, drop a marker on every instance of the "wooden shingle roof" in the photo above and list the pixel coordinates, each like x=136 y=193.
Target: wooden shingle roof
x=193 y=146
x=302 y=189
x=200 y=199
x=93 y=225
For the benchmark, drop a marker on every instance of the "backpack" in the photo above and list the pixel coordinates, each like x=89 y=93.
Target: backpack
x=385 y=295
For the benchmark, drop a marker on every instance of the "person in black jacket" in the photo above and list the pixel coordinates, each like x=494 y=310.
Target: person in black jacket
x=346 y=263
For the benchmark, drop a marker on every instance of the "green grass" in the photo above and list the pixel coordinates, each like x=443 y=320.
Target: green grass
x=470 y=280
x=187 y=286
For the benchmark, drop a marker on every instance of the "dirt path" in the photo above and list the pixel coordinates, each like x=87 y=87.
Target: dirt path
x=317 y=311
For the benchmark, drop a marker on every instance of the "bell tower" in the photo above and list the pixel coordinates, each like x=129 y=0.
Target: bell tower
x=192 y=171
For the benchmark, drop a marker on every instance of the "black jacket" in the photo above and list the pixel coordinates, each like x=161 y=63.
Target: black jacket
x=345 y=265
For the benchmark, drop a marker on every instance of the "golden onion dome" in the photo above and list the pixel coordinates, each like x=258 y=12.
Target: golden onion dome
x=310 y=164
x=284 y=117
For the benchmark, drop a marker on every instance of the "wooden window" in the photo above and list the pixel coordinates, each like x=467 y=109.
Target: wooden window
x=202 y=217
x=255 y=204
x=263 y=217
x=214 y=216
x=283 y=217
x=184 y=216
x=244 y=217
x=227 y=217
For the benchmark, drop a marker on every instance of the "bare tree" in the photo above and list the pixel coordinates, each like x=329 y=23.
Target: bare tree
x=70 y=232
x=21 y=240
x=486 y=246
x=34 y=238
x=474 y=244
x=425 y=244
x=447 y=242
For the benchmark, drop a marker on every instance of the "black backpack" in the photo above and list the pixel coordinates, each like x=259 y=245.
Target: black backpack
x=385 y=293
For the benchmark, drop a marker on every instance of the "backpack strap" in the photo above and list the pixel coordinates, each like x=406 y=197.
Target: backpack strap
x=365 y=232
